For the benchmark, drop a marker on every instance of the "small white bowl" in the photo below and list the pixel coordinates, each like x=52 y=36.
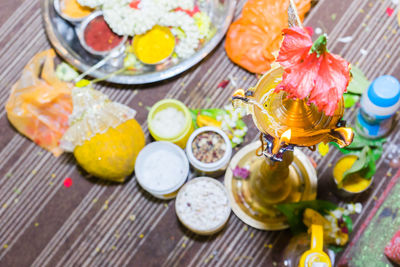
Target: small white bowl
x=155 y=147
x=182 y=198
x=213 y=169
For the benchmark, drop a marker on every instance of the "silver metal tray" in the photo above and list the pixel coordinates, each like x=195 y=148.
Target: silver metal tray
x=62 y=36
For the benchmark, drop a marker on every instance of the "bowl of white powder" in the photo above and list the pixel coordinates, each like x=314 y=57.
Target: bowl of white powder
x=170 y=120
x=202 y=205
x=161 y=169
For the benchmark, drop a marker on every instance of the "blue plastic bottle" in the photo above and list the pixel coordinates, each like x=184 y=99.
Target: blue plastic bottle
x=378 y=105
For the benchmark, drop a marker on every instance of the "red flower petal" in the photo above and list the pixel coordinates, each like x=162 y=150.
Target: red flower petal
x=322 y=79
x=310 y=30
x=389 y=11
x=295 y=47
x=223 y=84
x=135 y=4
x=189 y=12
x=332 y=81
x=67 y=182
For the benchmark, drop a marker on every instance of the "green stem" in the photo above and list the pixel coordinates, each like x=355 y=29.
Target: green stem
x=109 y=75
x=319 y=46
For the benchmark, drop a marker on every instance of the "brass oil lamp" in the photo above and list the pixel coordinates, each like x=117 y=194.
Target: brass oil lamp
x=279 y=171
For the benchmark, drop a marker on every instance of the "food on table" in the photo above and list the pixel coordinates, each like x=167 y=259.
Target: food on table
x=202 y=205
x=99 y=36
x=73 y=9
x=40 y=103
x=161 y=169
x=208 y=147
x=170 y=120
x=188 y=23
x=103 y=135
x=253 y=39
x=392 y=250
x=311 y=72
x=209 y=151
x=155 y=45
x=355 y=183
x=228 y=119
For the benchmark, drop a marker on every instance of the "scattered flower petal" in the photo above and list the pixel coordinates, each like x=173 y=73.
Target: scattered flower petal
x=346 y=39
x=68 y=182
x=363 y=52
x=323 y=149
x=389 y=11
x=242 y=173
x=223 y=84
x=310 y=30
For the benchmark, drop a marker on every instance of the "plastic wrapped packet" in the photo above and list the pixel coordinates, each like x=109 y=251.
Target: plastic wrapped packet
x=40 y=103
x=103 y=135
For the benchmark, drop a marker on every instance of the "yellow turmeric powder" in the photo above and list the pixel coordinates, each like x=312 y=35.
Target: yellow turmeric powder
x=155 y=45
x=356 y=183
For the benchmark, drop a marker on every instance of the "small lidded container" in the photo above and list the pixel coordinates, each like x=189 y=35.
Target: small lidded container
x=161 y=169
x=97 y=37
x=202 y=205
x=170 y=120
x=209 y=151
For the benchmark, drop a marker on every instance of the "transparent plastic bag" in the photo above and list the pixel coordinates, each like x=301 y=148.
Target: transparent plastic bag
x=40 y=103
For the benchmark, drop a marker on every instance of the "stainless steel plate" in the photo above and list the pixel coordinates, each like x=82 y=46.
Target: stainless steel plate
x=62 y=36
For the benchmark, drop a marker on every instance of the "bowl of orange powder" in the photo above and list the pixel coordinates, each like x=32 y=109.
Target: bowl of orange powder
x=71 y=10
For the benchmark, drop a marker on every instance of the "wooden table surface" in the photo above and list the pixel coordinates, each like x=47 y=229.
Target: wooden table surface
x=43 y=223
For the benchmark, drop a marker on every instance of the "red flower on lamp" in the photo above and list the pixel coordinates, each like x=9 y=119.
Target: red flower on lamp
x=311 y=72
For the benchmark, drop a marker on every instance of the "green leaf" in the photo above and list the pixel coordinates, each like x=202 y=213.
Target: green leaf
x=371 y=168
x=359 y=82
x=360 y=142
x=194 y=113
x=240 y=124
x=336 y=249
x=377 y=152
x=213 y=112
x=350 y=99
x=294 y=212
x=349 y=223
x=358 y=165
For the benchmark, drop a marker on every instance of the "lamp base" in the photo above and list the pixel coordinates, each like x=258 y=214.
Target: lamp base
x=300 y=185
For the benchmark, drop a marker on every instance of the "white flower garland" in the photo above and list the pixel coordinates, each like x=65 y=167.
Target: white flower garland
x=91 y=3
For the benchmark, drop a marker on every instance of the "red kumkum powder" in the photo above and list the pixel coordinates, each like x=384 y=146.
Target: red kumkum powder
x=99 y=36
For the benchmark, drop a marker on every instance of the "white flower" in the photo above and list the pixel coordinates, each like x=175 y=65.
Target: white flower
x=236 y=140
x=337 y=213
x=354 y=208
x=358 y=208
x=91 y=3
x=203 y=23
x=239 y=133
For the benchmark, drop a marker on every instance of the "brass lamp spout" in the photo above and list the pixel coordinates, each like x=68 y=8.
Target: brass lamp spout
x=284 y=139
x=342 y=136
